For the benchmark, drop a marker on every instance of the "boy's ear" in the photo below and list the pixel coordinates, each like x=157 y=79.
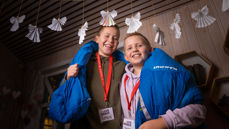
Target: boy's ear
x=96 y=38
x=126 y=58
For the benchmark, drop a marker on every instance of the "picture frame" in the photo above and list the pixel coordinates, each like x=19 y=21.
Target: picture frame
x=219 y=94
x=191 y=59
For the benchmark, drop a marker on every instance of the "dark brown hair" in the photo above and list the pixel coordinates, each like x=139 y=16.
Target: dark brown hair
x=102 y=27
x=145 y=40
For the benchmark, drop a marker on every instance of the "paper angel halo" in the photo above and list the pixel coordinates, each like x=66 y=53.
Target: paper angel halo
x=15 y=21
x=108 y=18
x=202 y=18
x=34 y=33
x=57 y=23
x=82 y=32
x=134 y=23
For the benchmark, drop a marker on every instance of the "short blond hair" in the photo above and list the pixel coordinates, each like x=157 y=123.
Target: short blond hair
x=144 y=39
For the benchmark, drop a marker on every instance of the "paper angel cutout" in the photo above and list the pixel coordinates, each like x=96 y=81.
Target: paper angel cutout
x=15 y=21
x=16 y=94
x=34 y=33
x=175 y=26
x=225 y=5
x=134 y=23
x=108 y=18
x=82 y=32
x=57 y=23
x=159 y=37
x=202 y=18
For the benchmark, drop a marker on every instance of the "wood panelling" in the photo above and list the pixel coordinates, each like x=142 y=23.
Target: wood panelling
x=51 y=41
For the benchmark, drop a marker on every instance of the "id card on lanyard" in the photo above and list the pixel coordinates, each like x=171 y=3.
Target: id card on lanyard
x=129 y=123
x=105 y=114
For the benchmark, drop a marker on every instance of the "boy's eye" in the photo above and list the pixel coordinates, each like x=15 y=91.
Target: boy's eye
x=129 y=48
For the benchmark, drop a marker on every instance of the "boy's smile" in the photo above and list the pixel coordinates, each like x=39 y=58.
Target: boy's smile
x=136 y=51
x=107 y=41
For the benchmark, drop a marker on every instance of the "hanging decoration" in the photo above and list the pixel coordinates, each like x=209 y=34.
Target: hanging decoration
x=134 y=22
x=82 y=30
x=108 y=17
x=175 y=26
x=16 y=20
x=16 y=94
x=225 y=5
x=57 y=23
x=202 y=18
x=159 y=37
x=34 y=31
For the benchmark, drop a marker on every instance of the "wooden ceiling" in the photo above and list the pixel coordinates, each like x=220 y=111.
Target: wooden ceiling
x=52 y=41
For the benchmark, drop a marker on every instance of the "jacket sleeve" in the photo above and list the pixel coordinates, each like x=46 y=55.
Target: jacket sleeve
x=191 y=116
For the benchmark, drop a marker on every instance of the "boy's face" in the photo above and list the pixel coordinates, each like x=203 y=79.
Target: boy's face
x=136 y=51
x=107 y=41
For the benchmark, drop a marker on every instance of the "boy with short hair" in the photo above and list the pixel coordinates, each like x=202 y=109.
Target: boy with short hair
x=104 y=70
x=156 y=91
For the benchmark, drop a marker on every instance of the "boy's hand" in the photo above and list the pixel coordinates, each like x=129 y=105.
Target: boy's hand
x=154 y=124
x=72 y=71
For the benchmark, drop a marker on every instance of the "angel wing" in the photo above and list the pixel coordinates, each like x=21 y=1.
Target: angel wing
x=202 y=18
x=15 y=21
x=34 y=33
x=134 y=23
x=57 y=24
x=82 y=32
x=159 y=37
x=108 y=18
x=225 y=5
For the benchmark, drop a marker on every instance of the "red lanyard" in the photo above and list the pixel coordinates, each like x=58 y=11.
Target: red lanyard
x=132 y=93
x=106 y=89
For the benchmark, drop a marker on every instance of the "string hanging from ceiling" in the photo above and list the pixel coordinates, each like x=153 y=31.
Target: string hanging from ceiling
x=108 y=17
x=59 y=22
x=34 y=31
x=133 y=22
x=84 y=27
x=18 y=19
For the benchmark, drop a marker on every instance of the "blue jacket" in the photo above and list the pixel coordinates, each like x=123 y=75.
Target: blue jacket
x=71 y=100
x=165 y=84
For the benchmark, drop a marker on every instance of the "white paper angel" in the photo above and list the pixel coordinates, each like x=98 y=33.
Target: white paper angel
x=159 y=37
x=202 y=18
x=175 y=26
x=225 y=5
x=15 y=21
x=134 y=23
x=16 y=94
x=108 y=18
x=57 y=24
x=82 y=32
x=34 y=33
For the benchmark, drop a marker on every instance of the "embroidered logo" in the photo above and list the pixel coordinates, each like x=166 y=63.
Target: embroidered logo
x=165 y=67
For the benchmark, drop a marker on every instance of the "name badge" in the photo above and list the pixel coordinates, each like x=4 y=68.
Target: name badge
x=128 y=124
x=106 y=114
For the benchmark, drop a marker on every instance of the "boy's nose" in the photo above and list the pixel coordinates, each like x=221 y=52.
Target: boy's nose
x=110 y=39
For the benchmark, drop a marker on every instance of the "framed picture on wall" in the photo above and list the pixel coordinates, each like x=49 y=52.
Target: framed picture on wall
x=200 y=66
x=220 y=94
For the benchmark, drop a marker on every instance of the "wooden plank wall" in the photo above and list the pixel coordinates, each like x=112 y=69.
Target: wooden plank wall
x=206 y=41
